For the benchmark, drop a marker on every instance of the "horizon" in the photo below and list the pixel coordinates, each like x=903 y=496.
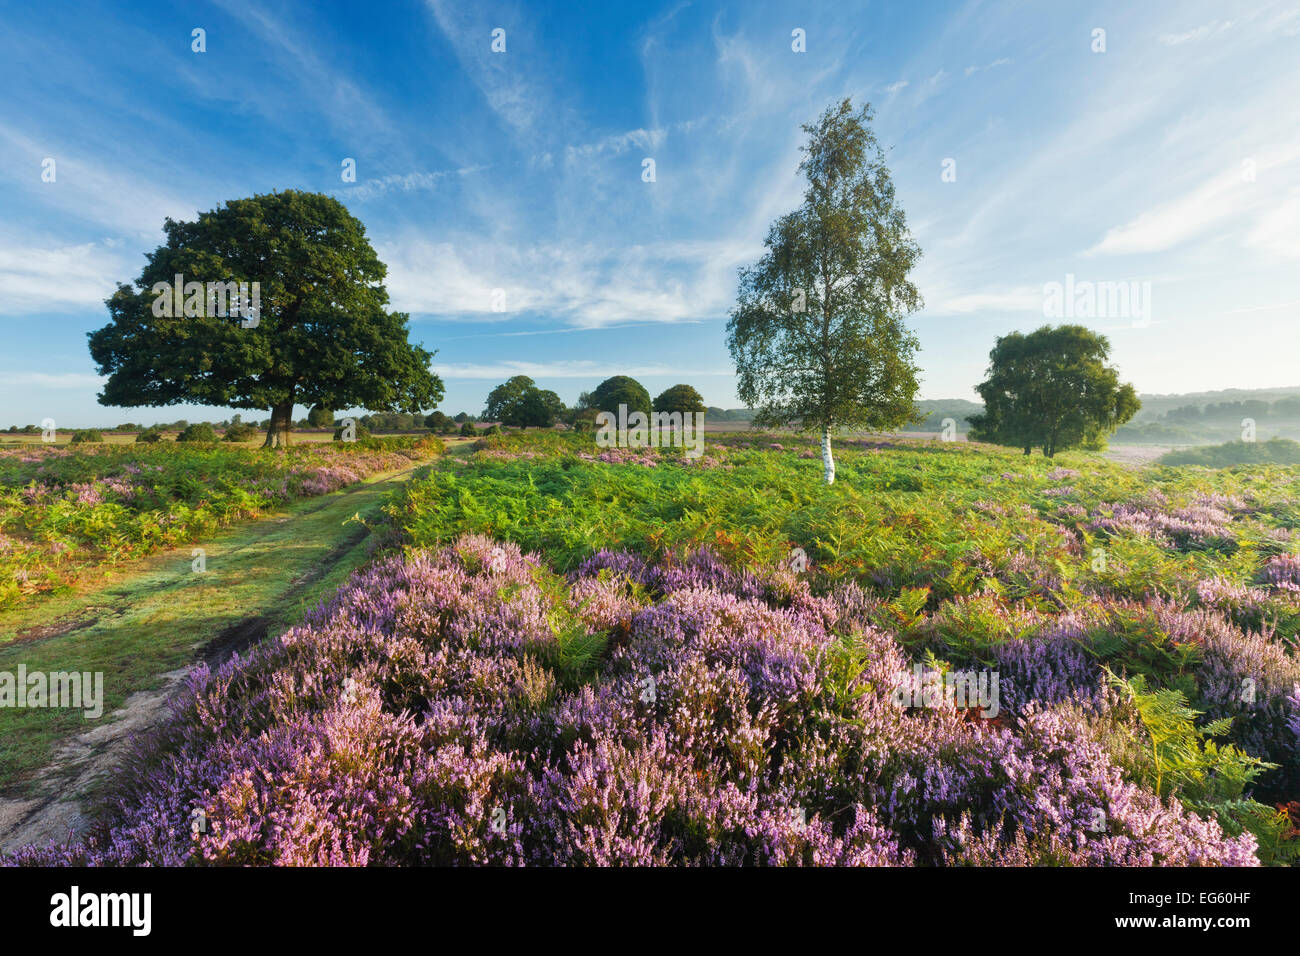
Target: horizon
x=1167 y=166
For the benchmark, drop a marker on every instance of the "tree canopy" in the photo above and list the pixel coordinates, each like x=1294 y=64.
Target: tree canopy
x=817 y=333
x=620 y=390
x=1051 y=389
x=679 y=398
x=519 y=403
x=321 y=335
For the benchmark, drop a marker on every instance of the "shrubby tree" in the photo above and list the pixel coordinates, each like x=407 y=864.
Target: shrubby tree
x=199 y=431
x=679 y=398
x=439 y=422
x=323 y=335
x=320 y=417
x=817 y=333
x=358 y=432
x=390 y=421
x=239 y=431
x=505 y=396
x=620 y=390
x=519 y=403
x=1053 y=390
x=539 y=408
x=583 y=413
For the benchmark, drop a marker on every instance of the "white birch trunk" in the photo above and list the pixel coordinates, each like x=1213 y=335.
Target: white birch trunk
x=828 y=461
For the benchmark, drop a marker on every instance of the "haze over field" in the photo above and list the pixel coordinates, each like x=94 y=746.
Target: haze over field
x=1022 y=157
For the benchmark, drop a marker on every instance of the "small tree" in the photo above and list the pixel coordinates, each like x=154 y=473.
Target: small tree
x=583 y=413
x=239 y=431
x=320 y=333
x=502 y=400
x=1052 y=389
x=679 y=398
x=620 y=390
x=554 y=406
x=319 y=417
x=199 y=431
x=817 y=333
x=519 y=403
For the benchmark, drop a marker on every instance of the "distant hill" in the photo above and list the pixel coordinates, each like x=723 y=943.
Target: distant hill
x=713 y=414
x=1193 y=418
x=936 y=410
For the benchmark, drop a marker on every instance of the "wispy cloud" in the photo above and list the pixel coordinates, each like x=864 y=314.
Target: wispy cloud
x=55 y=380
x=1197 y=33
x=1000 y=61
x=57 y=279
x=1229 y=195
x=585 y=285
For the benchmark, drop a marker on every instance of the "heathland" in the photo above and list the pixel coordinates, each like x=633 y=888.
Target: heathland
x=954 y=654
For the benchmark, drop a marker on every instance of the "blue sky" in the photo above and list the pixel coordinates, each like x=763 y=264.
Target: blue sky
x=1171 y=158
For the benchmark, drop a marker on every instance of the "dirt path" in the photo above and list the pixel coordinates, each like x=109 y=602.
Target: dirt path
x=145 y=625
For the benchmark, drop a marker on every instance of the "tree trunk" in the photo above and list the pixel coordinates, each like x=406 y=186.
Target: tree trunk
x=828 y=461
x=277 y=436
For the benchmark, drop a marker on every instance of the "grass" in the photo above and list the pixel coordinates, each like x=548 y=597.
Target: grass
x=64 y=437
x=945 y=516
x=1183 y=580
x=156 y=615
x=66 y=513
x=1275 y=451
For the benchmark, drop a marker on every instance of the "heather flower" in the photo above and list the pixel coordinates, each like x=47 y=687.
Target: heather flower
x=447 y=707
x=1282 y=572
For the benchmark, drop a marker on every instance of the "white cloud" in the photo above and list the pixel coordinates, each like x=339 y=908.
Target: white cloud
x=1277 y=231
x=408 y=182
x=72 y=380
x=1198 y=33
x=506 y=83
x=1286 y=22
x=36 y=280
x=89 y=190
x=583 y=284
x=1223 y=197
x=1019 y=299
x=1000 y=61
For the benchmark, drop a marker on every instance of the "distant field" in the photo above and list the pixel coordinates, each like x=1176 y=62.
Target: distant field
x=64 y=437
